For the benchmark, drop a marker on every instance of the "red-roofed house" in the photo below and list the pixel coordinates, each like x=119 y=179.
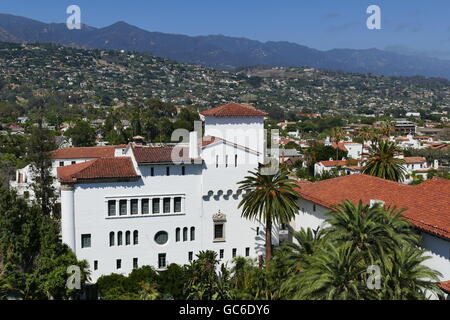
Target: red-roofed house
x=427 y=208
x=326 y=166
x=60 y=158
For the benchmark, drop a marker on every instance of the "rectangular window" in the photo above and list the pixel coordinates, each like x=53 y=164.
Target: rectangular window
x=235 y=160
x=167 y=171
x=218 y=232
x=123 y=207
x=85 y=240
x=135 y=263
x=111 y=207
x=118 y=263
x=145 y=207
x=314 y=207
x=95 y=264
x=155 y=205
x=134 y=206
x=166 y=205
x=177 y=204
x=73 y=162
x=183 y=170
x=234 y=252
x=190 y=255
x=61 y=163
x=247 y=252
x=161 y=260
x=226 y=161
x=221 y=253
x=217 y=161
x=152 y=171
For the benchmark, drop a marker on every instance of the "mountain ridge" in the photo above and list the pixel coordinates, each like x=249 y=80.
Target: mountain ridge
x=220 y=51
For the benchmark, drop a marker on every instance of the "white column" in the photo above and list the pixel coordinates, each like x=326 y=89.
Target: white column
x=68 y=216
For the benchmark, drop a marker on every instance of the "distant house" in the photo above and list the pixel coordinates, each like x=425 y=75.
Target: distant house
x=353 y=149
x=22 y=120
x=326 y=166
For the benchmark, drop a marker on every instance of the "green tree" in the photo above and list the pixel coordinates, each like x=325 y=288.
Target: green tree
x=337 y=134
x=33 y=261
x=203 y=282
x=82 y=134
x=382 y=162
x=271 y=199
x=40 y=143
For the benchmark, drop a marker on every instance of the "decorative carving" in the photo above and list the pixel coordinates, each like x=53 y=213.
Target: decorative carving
x=219 y=216
x=66 y=187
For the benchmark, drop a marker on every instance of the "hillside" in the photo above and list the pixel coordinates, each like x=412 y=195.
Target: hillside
x=106 y=78
x=220 y=51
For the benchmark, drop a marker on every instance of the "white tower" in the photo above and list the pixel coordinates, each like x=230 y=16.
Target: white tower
x=237 y=123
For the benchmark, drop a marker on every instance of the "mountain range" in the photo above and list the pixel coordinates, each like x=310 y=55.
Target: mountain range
x=218 y=51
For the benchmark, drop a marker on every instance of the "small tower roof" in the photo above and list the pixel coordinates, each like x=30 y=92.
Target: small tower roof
x=233 y=110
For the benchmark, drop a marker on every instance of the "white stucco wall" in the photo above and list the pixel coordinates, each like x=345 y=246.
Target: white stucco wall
x=206 y=190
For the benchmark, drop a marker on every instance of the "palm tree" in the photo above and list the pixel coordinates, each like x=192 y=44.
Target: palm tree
x=338 y=135
x=387 y=127
x=407 y=277
x=271 y=199
x=382 y=162
x=365 y=134
x=370 y=230
x=306 y=242
x=335 y=273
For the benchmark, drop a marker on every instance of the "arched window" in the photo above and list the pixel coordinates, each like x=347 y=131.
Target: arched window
x=119 y=238
x=127 y=238
x=177 y=234
x=135 y=237
x=192 y=233
x=111 y=239
x=185 y=234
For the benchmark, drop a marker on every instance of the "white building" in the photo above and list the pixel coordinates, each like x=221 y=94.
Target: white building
x=61 y=157
x=427 y=204
x=354 y=150
x=161 y=205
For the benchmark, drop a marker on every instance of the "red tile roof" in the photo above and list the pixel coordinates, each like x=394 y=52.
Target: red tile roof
x=159 y=154
x=427 y=204
x=164 y=154
x=341 y=146
x=415 y=159
x=445 y=285
x=233 y=110
x=334 y=163
x=98 y=169
x=85 y=153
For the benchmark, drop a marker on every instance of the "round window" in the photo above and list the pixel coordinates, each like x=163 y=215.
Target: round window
x=161 y=237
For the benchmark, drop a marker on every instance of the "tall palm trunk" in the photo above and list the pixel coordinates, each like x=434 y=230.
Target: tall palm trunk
x=268 y=240
x=337 y=149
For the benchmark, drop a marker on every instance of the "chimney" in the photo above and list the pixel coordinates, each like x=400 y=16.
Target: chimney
x=193 y=145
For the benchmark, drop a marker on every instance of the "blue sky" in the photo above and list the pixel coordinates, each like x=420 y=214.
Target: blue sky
x=414 y=25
